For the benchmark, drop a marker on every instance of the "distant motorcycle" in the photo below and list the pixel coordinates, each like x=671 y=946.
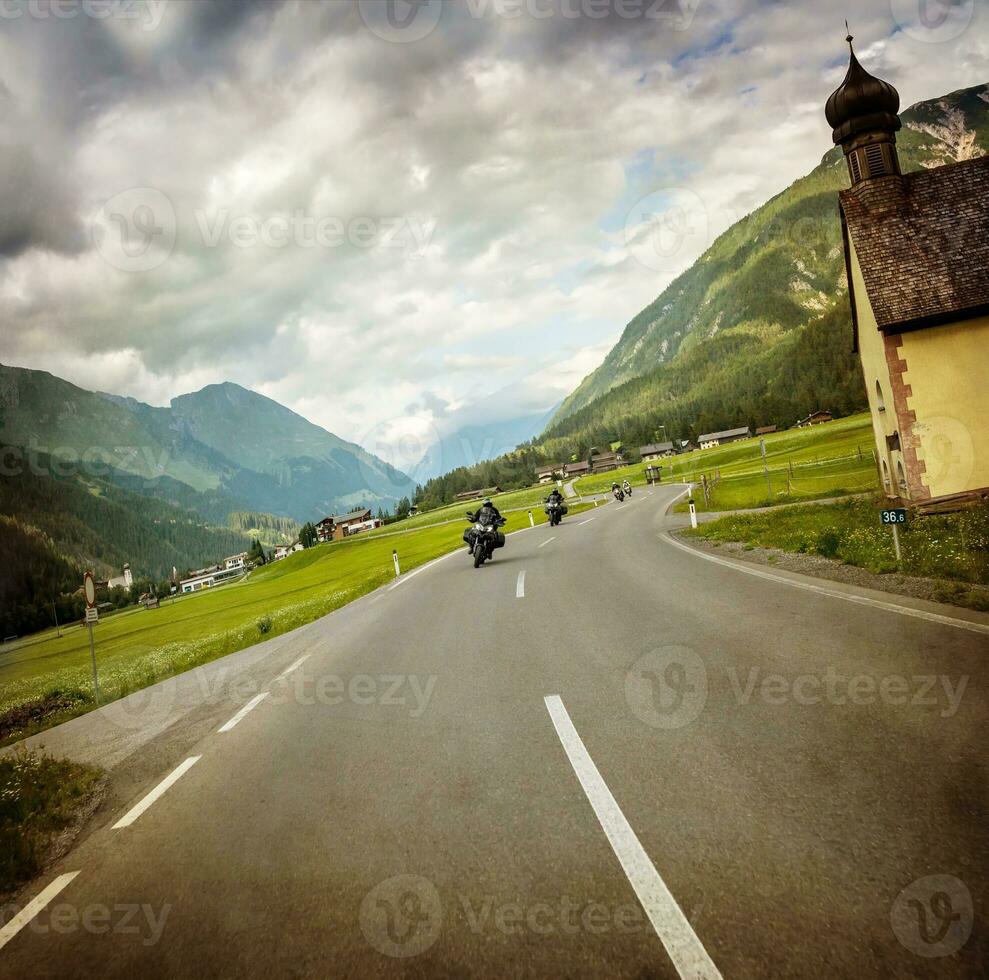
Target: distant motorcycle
x=618 y=493
x=484 y=538
x=627 y=488
x=555 y=511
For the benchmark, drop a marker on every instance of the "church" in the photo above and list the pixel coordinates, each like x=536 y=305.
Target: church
x=917 y=259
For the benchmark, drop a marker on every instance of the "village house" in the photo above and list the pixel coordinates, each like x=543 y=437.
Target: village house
x=284 y=550
x=657 y=450
x=478 y=494
x=605 y=462
x=917 y=258
x=124 y=581
x=815 y=418
x=344 y=525
x=578 y=467
x=765 y=430
x=235 y=561
x=711 y=439
x=547 y=474
x=208 y=578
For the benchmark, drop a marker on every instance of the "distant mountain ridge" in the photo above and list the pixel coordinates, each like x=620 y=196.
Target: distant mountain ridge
x=218 y=450
x=778 y=269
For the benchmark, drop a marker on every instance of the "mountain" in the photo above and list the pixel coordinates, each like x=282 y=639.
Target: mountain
x=742 y=307
x=474 y=443
x=218 y=450
x=57 y=520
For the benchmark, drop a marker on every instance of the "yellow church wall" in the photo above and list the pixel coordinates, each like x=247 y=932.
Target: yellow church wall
x=947 y=369
x=873 y=356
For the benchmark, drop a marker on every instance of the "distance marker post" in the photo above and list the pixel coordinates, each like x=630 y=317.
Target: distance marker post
x=394 y=558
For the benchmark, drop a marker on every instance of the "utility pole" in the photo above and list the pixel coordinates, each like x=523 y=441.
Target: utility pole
x=58 y=629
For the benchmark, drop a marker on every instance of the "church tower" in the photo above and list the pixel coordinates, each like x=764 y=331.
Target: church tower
x=862 y=112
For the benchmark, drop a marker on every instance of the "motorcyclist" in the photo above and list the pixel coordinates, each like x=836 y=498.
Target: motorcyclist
x=555 y=497
x=627 y=487
x=617 y=491
x=488 y=515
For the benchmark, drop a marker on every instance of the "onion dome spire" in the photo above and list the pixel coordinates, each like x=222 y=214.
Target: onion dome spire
x=862 y=113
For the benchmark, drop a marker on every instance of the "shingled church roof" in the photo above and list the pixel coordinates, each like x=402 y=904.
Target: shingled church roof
x=922 y=242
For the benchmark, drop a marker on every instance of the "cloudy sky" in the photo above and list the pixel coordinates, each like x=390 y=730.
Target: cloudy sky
x=381 y=214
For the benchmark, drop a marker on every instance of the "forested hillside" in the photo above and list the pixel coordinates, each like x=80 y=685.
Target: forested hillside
x=781 y=267
x=56 y=524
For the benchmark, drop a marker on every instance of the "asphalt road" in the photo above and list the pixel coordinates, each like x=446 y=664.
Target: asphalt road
x=599 y=755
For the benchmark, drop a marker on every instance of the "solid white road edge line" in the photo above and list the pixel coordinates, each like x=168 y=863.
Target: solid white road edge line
x=520 y=586
x=250 y=706
x=415 y=571
x=288 y=670
x=546 y=542
x=33 y=907
x=172 y=777
x=671 y=925
x=821 y=590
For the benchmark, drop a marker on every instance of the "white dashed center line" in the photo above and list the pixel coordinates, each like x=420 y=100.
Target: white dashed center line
x=288 y=670
x=671 y=925
x=547 y=541
x=588 y=521
x=520 y=586
x=33 y=907
x=250 y=706
x=171 y=778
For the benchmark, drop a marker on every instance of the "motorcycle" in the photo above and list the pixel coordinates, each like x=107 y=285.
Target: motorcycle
x=555 y=512
x=619 y=494
x=484 y=538
x=627 y=487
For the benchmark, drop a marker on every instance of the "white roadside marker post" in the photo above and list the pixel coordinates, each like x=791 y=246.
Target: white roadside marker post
x=394 y=557
x=92 y=616
x=693 y=512
x=532 y=520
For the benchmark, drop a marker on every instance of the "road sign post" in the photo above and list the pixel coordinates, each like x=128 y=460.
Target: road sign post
x=765 y=468
x=92 y=617
x=894 y=517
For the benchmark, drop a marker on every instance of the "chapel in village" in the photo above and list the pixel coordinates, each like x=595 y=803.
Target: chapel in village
x=917 y=259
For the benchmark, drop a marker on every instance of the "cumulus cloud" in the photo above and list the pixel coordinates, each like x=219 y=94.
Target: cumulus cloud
x=371 y=229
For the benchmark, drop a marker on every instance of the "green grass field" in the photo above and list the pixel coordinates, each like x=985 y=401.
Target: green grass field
x=948 y=546
x=508 y=503
x=139 y=647
x=804 y=464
